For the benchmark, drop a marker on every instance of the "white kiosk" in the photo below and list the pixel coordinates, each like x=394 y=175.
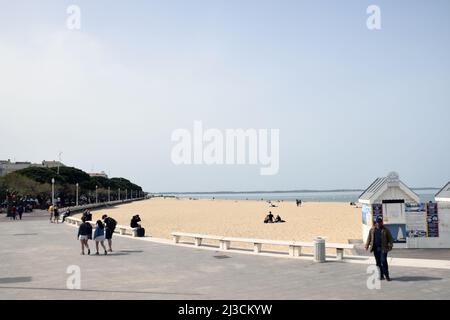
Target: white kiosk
x=389 y=198
x=413 y=224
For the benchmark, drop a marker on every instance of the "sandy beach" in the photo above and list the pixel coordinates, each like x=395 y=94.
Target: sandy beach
x=337 y=222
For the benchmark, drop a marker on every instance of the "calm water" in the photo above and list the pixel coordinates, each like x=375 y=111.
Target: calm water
x=344 y=196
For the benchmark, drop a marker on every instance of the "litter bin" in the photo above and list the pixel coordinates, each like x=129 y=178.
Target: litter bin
x=319 y=249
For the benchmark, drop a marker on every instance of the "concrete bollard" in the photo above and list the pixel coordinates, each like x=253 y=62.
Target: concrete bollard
x=319 y=249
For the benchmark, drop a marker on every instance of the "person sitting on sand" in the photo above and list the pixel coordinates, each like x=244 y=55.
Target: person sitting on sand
x=269 y=218
x=278 y=219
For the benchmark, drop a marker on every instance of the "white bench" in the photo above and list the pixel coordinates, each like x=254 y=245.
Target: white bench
x=123 y=230
x=295 y=247
x=196 y=236
x=340 y=247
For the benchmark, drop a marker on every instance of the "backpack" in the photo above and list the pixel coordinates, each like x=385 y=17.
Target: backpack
x=111 y=223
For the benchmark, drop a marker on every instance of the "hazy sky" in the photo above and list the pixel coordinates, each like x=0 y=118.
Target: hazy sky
x=351 y=104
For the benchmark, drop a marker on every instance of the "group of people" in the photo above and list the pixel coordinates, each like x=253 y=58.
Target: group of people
x=269 y=218
x=15 y=212
x=54 y=213
x=298 y=202
x=104 y=230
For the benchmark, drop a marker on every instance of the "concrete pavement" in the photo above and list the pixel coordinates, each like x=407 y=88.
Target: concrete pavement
x=35 y=256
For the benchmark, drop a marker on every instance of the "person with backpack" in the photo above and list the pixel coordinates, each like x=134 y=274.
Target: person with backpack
x=83 y=235
x=110 y=225
x=99 y=236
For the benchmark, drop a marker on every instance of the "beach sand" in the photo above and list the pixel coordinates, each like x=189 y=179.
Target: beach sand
x=336 y=222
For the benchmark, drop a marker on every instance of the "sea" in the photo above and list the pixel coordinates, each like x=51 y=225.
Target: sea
x=425 y=195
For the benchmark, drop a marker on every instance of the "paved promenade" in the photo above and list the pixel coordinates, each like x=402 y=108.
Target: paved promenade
x=35 y=255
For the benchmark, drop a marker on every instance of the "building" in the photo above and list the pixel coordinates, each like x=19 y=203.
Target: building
x=444 y=194
x=389 y=198
x=52 y=164
x=413 y=224
x=443 y=216
x=99 y=174
x=6 y=166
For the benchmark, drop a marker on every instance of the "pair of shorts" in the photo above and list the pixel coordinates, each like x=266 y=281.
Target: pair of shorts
x=100 y=238
x=83 y=237
x=108 y=234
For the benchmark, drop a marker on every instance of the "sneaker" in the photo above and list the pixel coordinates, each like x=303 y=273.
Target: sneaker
x=106 y=253
x=382 y=278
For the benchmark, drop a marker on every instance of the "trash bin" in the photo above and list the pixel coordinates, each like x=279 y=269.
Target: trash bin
x=319 y=249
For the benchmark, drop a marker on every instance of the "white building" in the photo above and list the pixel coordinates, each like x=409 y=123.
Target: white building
x=389 y=198
x=413 y=224
x=444 y=194
x=99 y=174
x=443 y=205
x=6 y=166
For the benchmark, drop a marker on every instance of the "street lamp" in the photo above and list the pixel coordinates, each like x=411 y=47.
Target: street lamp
x=109 y=194
x=96 y=194
x=76 y=200
x=53 y=191
x=126 y=194
x=119 y=194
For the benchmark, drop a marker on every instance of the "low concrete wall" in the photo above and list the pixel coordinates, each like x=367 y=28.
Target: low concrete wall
x=75 y=209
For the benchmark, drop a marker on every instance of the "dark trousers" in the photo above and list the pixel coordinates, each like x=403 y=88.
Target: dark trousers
x=381 y=259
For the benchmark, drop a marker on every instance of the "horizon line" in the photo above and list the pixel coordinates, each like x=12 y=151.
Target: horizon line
x=279 y=191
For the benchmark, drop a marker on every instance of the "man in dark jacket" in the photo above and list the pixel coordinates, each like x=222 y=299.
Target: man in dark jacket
x=380 y=242
x=110 y=225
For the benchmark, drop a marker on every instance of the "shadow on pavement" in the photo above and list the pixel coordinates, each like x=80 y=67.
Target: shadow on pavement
x=15 y=279
x=417 y=278
x=104 y=291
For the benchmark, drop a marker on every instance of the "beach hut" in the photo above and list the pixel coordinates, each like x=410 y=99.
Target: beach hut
x=389 y=198
x=444 y=194
x=441 y=219
x=413 y=224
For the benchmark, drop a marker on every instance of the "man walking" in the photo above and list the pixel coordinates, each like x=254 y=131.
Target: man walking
x=380 y=242
x=110 y=225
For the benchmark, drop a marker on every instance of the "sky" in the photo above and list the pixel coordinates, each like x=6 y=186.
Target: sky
x=351 y=104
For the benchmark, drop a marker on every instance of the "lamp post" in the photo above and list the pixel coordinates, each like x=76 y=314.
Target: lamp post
x=76 y=199
x=119 y=194
x=96 y=194
x=109 y=194
x=126 y=194
x=53 y=191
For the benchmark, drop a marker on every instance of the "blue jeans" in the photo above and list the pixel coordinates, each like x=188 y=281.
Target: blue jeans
x=381 y=259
